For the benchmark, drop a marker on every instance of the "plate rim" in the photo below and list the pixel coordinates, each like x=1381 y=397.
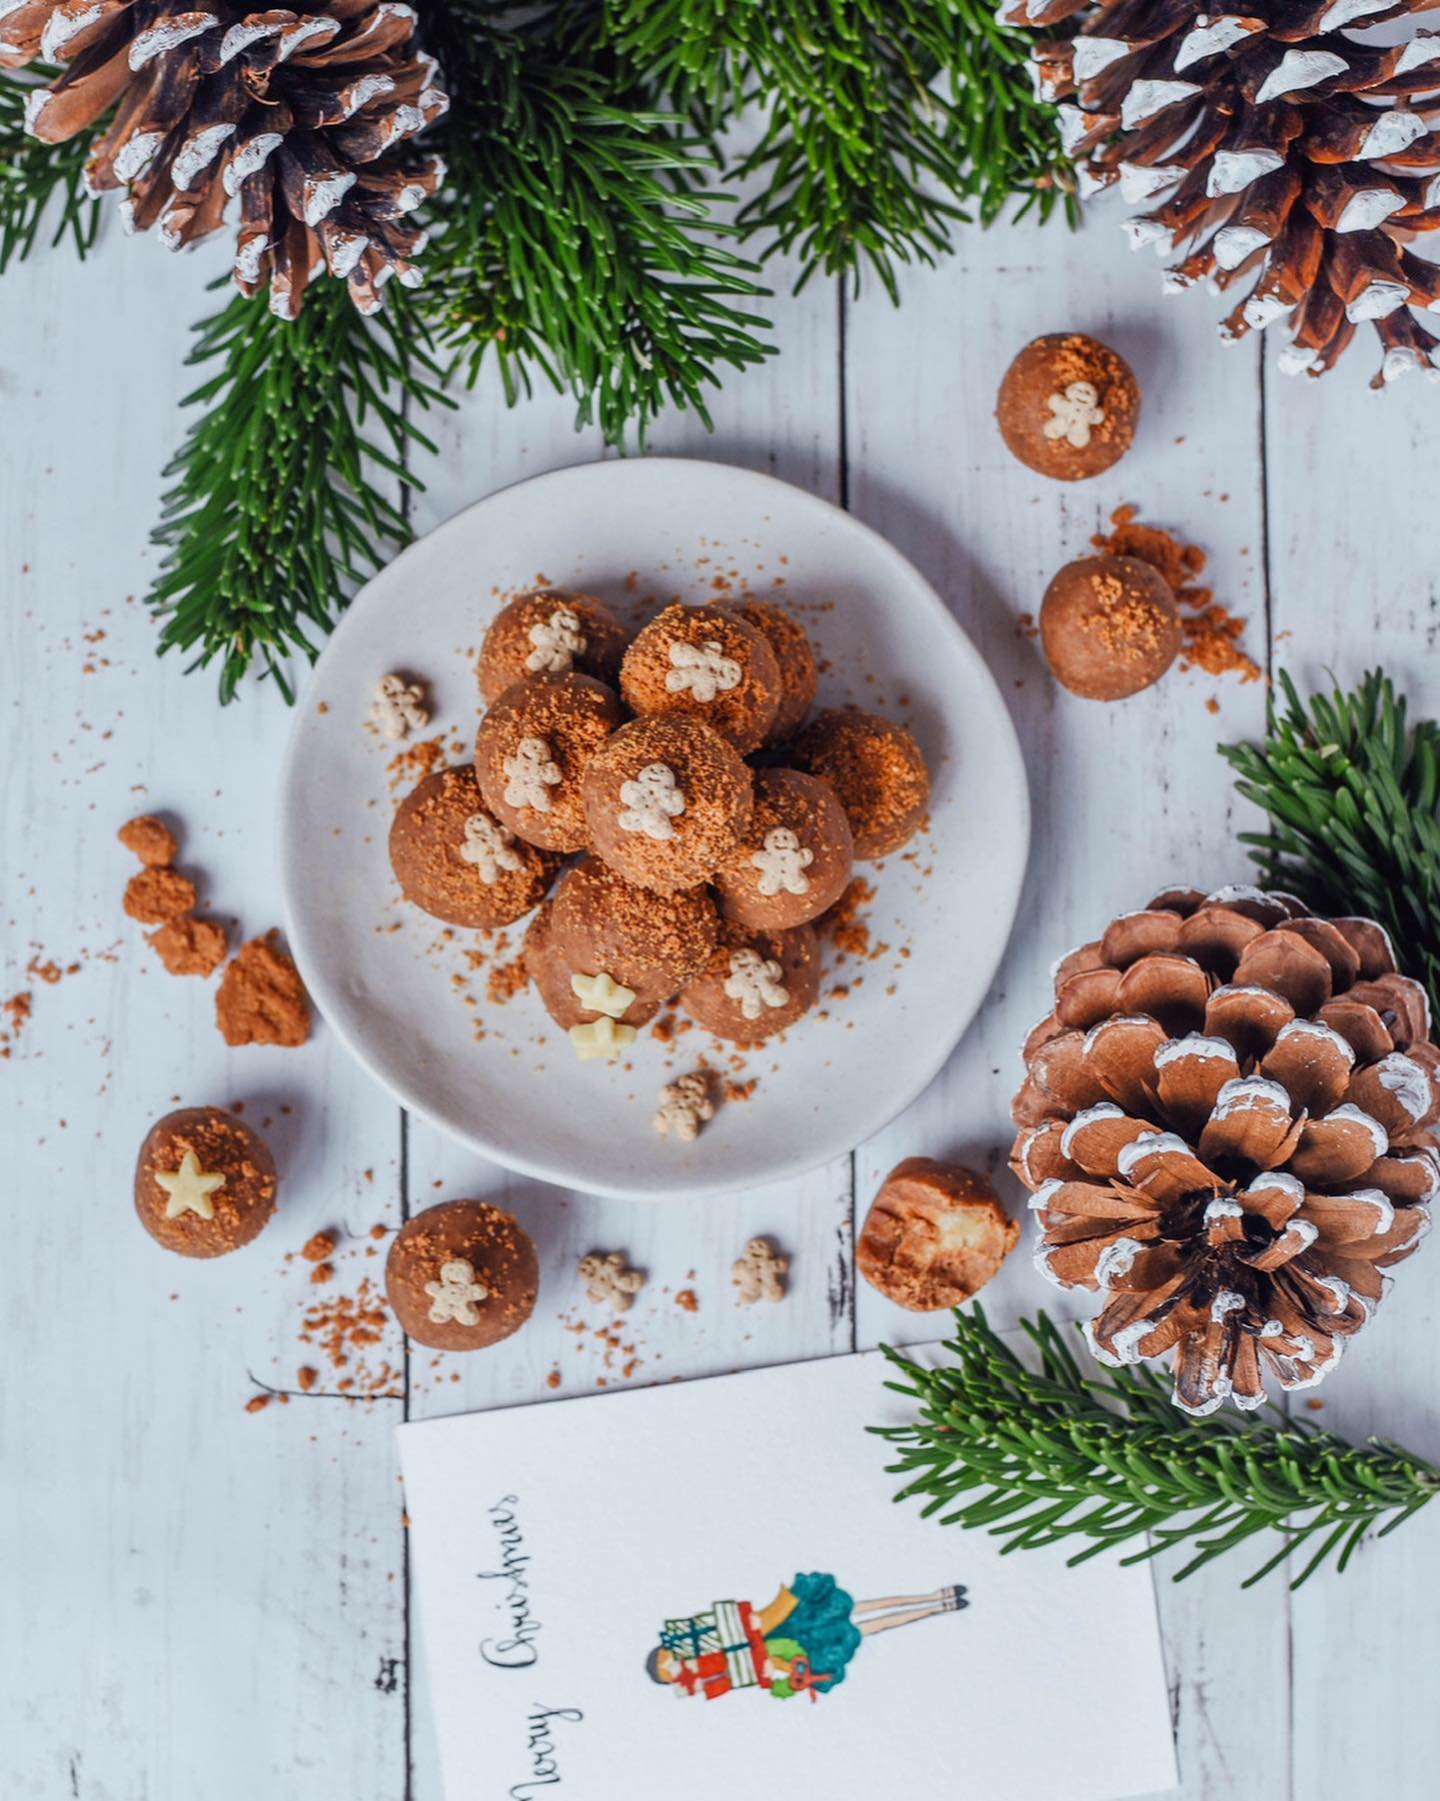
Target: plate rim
x=786 y=1168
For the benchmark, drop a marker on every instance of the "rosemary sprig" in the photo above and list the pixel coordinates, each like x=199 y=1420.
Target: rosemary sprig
x=885 y=119
x=287 y=490
x=1039 y=1456
x=32 y=174
x=576 y=238
x=1351 y=789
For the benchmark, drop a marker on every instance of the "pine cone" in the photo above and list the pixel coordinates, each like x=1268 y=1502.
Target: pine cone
x=303 y=115
x=1226 y=1125
x=1281 y=153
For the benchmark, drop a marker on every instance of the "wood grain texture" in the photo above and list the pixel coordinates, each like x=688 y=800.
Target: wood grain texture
x=203 y=1603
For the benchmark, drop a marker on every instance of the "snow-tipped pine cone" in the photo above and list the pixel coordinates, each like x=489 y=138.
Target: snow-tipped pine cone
x=303 y=116
x=1226 y=1125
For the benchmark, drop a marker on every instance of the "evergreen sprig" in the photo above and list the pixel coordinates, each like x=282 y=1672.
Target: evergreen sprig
x=289 y=486
x=577 y=238
x=1040 y=1456
x=33 y=174
x=884 y=119
x=1351 y=788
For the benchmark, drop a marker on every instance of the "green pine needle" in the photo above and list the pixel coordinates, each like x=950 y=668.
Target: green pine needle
x=289 y=489
x=575 y=237
x=1351 y=788
x=1041 y=1456
x=33 y=174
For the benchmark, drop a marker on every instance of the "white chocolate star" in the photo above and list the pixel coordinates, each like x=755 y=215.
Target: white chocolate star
x=189 y=1188
x=530 y=775
x=399 y=706
x=651 y=801
x=489 y=847
x=455 y=1294
x=782 y=863
x=1076 y=410
x=557 y=642
x=754 y=981
x=702 y=668
x=602 y=994
x=601 y=1038
x=685 y=1105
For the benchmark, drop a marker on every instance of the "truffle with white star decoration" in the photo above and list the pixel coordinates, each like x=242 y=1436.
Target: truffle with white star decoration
x=189 y=1188
x=1075 y=411
x=490 y=847
x=602 y=1037
x=782 y=861
x=602 y=994
x=530 y=775
x=703 y=670
x=650 y=802
x=455 y=1295
x=555 y=643
x=754 y=982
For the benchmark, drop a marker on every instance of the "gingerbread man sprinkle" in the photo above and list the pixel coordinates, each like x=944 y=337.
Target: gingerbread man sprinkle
x=489 y=847
x=703 y=669
x=760 y=1274
x=455 y=1294
x=754 y=981
x=685 y=1106
x=782 y=862
x=557 y=641
x=399 y=707
x=530 y=775
x=651 y=801
x=608 y=1283
x=1076 y=410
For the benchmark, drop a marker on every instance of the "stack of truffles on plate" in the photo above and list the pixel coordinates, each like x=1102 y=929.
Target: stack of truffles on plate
x=695 y=814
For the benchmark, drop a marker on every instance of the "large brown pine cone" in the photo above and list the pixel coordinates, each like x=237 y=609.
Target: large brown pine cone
x=1226 y=1124
x=302 y=114
x=1284 y=148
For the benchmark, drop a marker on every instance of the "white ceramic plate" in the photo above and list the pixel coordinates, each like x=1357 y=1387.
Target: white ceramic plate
x=503 y=1078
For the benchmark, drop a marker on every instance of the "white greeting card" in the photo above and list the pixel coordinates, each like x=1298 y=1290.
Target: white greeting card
x=706 y=1590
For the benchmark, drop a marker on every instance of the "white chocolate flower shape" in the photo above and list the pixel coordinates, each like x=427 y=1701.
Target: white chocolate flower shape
x=455 y=1294
x=489 y=847
x=703 y=669
x=555 y=643
x=651 y=801
x=530 y=775
x=754 y=982
x=782 y=862
x=1075 y=411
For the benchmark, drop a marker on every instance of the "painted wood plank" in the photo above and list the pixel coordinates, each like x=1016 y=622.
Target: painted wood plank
x=1126 y=799
x=198 y=1601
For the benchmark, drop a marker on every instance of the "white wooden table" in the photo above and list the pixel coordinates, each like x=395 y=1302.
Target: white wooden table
x=200 y=1604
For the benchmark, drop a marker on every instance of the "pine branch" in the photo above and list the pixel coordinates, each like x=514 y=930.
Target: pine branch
x=33 y=174
x=886 y=119
x=1039 y=1456
x=1351 y=790
x=577 y=240
x=288 y=488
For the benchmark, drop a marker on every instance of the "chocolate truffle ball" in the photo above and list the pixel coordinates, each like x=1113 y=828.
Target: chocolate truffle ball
x=1067 y=406
x=204 y=1182
x=667 y=801
x=934 y=1236
x=705 y=663
x=532 y=749
x=1109 y=627
x=551 y=632
x=653 y=943
x=554 y=978
x=796 y=857
x=791 y=644
x=756 y=983
x=461 y=1275
x=876 y=770
x=455 y=860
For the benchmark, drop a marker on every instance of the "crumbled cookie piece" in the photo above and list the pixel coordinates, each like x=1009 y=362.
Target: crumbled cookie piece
x=260 y=999
x=158 y=894
x=190 y=947
x=150 y=839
